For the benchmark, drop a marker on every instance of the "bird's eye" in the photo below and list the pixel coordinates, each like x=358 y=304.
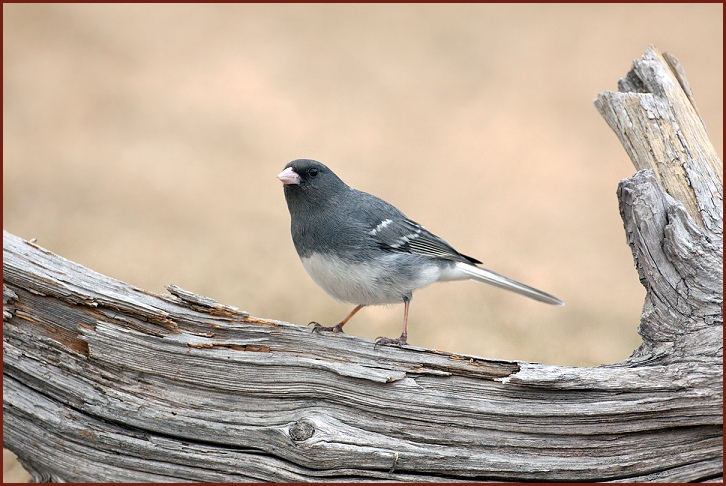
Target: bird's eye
x=313 y=172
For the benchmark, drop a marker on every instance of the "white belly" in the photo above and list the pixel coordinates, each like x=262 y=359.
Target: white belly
x=370 y=284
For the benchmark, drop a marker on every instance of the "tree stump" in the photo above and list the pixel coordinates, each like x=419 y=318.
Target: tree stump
x=107 y=382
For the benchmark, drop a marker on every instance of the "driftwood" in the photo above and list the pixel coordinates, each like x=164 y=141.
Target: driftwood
x=107 y=382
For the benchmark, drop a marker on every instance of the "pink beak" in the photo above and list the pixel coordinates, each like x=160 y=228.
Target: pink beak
x=289 y=176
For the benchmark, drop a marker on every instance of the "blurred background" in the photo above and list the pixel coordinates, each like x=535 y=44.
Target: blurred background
x=143 y=142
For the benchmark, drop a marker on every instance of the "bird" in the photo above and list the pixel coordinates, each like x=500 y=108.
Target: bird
x=364 y=251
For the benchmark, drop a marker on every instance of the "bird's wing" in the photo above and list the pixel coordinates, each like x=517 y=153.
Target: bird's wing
x=406 y=236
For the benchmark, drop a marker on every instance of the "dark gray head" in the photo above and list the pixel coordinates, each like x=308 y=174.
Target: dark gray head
x=308 y=180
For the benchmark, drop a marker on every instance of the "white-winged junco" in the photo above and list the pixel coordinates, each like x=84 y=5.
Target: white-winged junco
x=364 y=251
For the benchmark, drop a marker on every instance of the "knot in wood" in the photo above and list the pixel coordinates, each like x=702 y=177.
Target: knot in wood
x=301 y=430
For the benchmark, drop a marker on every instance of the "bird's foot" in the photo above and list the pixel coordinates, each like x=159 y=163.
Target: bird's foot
x=384 y=340
x=317 y=327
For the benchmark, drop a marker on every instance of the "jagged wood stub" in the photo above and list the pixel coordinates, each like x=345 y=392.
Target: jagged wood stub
x=107 y=382
x=655 y=117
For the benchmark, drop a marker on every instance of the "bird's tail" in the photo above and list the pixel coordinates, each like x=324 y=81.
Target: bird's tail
x=492 y=278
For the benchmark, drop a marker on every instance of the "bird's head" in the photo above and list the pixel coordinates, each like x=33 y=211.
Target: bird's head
x=309 y=179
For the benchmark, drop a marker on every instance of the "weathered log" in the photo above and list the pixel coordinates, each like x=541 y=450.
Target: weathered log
x=679 y=262
x=107 y=382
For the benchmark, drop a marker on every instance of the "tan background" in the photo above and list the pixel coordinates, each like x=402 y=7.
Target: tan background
x=143 y=142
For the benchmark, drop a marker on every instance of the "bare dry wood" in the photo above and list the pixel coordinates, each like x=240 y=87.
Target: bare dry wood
x=680 y=263
x=656 y=119
x=107 y=382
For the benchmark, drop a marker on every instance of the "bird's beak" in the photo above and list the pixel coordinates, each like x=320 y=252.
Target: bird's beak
x=289 y=176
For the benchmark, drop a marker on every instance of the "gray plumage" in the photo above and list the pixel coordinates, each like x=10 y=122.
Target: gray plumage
x=361 y=249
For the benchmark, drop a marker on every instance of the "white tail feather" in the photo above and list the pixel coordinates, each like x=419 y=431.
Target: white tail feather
x=492 y=278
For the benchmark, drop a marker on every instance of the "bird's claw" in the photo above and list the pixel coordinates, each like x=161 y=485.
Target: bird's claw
x=317 y=327
x=380 y=340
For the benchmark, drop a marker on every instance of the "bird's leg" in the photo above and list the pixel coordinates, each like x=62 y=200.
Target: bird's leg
x=339 y=326
x=404 y=335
